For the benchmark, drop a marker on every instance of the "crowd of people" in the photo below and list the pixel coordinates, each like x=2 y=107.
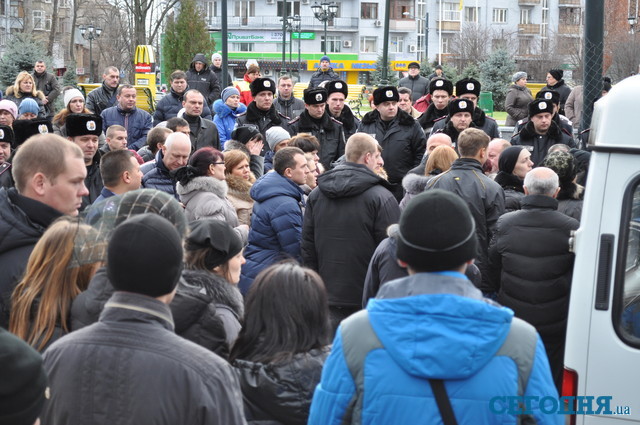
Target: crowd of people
x=246 y=256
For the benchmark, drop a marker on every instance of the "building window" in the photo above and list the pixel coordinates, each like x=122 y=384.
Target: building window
x=446 y=44
x=333 y=43
x=210 y=10
x=524 y=46
x=525 y=16
x=368 y=44
x=369 y=11
x=471 y=14
x=500 y=16
x=244 y=9
x=396 y=44
x=64 y=25
x=243 y=47
x=402 y=9
x=296 y=8
x=569 y=16
x=451 y=11
x=38 y=19
x=65 y=3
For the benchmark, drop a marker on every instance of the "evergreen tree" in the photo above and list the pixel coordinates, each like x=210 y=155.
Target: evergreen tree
x=471 y=71
x=70 y=78
x=425 y=68
x=376 y=75
x=21 y=55
x=450 y=72
x=495 y=75
x=185 y=36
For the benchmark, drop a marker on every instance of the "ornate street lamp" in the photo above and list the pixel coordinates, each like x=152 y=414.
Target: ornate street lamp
x=324 y=12
x=90 y=33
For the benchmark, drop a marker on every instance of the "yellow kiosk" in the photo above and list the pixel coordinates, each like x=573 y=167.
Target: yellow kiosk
x=144 y=62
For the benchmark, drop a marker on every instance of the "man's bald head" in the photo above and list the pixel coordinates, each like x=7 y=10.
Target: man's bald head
x=176 y=151
x=542 y=181
x=438 y=139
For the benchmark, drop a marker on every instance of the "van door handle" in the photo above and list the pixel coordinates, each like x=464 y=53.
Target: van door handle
x=603 y=282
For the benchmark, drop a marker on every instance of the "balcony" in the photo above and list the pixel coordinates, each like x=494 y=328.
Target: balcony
x=529 y=2
x=569 y=3
x=528 y=29
x=405 y=25
x=566 y=29
x=449 y=26
x=309 y=23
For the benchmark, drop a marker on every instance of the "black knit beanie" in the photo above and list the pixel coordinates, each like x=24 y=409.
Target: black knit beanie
x=145 y=256
x=556 y=73
x=509 y=159
x=436 y=232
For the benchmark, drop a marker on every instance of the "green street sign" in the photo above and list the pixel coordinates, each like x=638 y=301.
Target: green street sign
x=304 y=35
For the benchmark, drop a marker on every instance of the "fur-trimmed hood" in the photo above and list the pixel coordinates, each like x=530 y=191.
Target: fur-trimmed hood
x=415 y=183
x=220 y=291
x=572 y=191
x=239 y=187
x=224 y=110
x=306 y=124
x=529 y=132
x=202 y=184
x=402 y=117
x=11 y=92
x=254 y=114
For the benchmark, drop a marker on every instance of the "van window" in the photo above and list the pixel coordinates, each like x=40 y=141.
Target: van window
x=628 y=299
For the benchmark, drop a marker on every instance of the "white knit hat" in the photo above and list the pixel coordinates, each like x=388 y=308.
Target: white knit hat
x=70 y=94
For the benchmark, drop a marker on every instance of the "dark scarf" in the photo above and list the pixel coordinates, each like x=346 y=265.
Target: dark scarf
x=254 y=114
x=427 y=119
x=509 y=181
x=307 y=123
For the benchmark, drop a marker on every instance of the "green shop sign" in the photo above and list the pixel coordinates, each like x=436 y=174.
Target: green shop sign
x=304 y=35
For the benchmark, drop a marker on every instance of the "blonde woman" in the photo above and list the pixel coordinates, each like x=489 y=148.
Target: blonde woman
x=23 y=88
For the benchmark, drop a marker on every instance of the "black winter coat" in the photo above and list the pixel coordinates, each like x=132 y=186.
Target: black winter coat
x=280 y=393
x=157 y=176
x=205 y=81
x=194 y=312
x=131 y=368
x=346 y=218
x=101 y=98
x=513 y=190
x=564 y=91
x=349 y=121
x=485 y=198
x=531 y=264
x=480 y=120
x=93 y=181
x=170 y=105
x=320 y=76
x=22 y=222
x=539 y=144
x=263 y=119
x=403 y=144
x=328 y=132
x=429 y=117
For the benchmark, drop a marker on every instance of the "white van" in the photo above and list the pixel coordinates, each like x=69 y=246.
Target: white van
x=602 y=357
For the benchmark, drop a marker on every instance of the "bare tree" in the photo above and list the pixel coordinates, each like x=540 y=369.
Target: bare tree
x=54 y=24
x=470 y=45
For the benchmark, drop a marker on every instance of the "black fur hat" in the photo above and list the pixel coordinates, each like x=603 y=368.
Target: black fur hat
x=385 y=94
x=468 y=85
x=540 y=106
x=262 y=84
x=23 y=129
x=83 y=125
x=6 y=135
x=315 y=95
x=337 y=86
x=460 y=105
x=441 y=84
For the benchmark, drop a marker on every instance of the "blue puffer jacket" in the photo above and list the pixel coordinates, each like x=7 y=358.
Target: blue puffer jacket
x=225 y=119
x=136 y=121
x=158 y=177
x=170 y=105
x=276 y=225
x=444 y=332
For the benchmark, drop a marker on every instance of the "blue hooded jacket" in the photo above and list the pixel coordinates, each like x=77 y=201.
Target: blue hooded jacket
x=276 y=225
x=448 y=332
x=225 y=119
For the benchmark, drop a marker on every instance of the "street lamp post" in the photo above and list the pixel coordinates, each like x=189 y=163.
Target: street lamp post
x=297 y=24
x=324 y=12
x=90 y=33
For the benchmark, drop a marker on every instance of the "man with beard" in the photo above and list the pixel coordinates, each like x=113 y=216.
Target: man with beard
x=441 y=91
x=337 y=93
x=469 y=89
x=400 y=136
x=169 y=106
x=541 y=132
x=317 y=121
x=261 y=112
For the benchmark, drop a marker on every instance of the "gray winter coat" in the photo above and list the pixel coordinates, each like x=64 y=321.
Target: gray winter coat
x=419 y=86
x=207 y=136
x=131 y=368
x=290 y=108
x=206 y=197
x=48 y=84
x=516 y=104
